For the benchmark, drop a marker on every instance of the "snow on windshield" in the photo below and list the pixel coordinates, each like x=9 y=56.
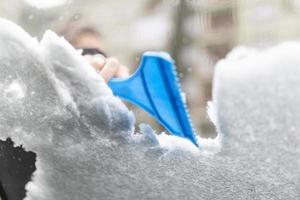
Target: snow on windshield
x=56 y=105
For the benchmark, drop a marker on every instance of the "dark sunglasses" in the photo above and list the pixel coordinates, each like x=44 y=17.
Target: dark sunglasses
x=92 y=52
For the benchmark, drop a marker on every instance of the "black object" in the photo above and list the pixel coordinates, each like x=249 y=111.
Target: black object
x=16 y=169
x=92 y=51
x=2 y=193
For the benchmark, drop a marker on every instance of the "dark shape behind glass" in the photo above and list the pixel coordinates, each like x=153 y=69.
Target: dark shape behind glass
x=16 y=169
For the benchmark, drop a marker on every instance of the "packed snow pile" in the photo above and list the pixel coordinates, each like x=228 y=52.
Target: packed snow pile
x=55 y=104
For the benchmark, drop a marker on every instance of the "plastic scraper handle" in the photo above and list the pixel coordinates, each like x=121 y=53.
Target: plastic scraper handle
x=155 y=88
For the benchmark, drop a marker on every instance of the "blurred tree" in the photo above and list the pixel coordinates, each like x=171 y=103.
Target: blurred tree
x=180 y=38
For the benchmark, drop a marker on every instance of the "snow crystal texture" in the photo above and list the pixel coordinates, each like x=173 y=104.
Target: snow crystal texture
x=57 y=106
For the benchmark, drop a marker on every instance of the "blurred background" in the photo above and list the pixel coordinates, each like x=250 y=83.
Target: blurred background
x=197 y=33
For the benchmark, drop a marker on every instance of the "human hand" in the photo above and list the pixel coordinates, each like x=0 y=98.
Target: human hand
x=107 y=67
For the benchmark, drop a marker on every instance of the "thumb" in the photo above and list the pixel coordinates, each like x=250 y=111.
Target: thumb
x=110 y=69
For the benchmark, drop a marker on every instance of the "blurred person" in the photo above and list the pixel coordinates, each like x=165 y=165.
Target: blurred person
x=88 y=40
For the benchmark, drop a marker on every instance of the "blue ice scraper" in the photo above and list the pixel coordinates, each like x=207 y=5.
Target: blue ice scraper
x=155 y=88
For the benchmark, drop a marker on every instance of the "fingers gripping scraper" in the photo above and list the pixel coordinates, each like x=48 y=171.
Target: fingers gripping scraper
x=155 y=88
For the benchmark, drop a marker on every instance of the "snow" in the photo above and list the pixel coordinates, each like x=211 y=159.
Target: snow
x=14 y=91
x=87 y=147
